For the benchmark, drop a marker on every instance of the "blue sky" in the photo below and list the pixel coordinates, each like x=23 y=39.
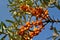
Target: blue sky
x=5 y=14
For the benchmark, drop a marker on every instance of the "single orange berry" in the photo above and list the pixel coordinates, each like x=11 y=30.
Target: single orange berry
x=27 y=23
x=35 y=29
x=31 y=34
x=36 y=32
x=22 y=30
x=33 y=23
x=20 y=33
x=27 y=28
x=22 y=27
x=46 y=12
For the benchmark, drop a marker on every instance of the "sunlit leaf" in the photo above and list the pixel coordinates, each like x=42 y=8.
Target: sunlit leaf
x=3 y=24
x=0 y=28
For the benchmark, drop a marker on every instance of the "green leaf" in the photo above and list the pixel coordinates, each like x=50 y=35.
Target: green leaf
x=45 y=2
x=58 y=7
x=50 y=37
x=3 y=24
x=57 y=4
x=55 y=30
x=15 y=18
x=10 y=21
x=24 y=18
x=10 y=1
x=0 y=28
x=54 y=38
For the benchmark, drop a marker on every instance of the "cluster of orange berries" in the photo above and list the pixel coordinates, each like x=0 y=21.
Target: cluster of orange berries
x=38 y=26
x=38 y=12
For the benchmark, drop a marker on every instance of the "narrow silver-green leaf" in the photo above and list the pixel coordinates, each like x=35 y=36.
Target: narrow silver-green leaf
x=3 y=38
x=3 y=24
x=10 y=21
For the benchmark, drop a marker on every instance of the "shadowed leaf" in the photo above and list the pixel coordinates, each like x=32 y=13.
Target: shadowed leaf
x=3 y=38
x=55 y=30
x=10 y=21
x=3 y=24
x=10 y=1
x=50 y=37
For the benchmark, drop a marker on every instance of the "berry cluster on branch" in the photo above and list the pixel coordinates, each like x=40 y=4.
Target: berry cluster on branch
x=37 y=12
x=36 y=25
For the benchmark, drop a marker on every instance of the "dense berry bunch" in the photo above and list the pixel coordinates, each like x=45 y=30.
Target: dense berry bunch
x=37 y=25
x=38 y=11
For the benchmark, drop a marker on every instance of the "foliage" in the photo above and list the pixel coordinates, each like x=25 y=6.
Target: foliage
x=23 y=27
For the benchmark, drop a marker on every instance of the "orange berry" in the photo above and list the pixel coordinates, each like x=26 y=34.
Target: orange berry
x=30 y=26
x=37 y=15
x=22 y=30
x=34 y=23
x=23 y=7
x=40 y=22
x=20 y=33
x=30 y=8
x=33 y=11
x=22 y=27
x=35 y=29
x=37 y=22
x=36 y=32
x=27 y=23
x=46 y=12
x=27 y=28
x=31 y=34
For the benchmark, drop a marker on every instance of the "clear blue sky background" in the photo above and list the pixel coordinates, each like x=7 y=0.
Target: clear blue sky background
x=5 y=14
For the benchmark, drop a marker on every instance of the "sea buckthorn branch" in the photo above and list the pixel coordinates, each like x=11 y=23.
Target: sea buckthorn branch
x=18 y=7
x=38 y=12
x=35 y=31
x=53 y=21
x=38 y=24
